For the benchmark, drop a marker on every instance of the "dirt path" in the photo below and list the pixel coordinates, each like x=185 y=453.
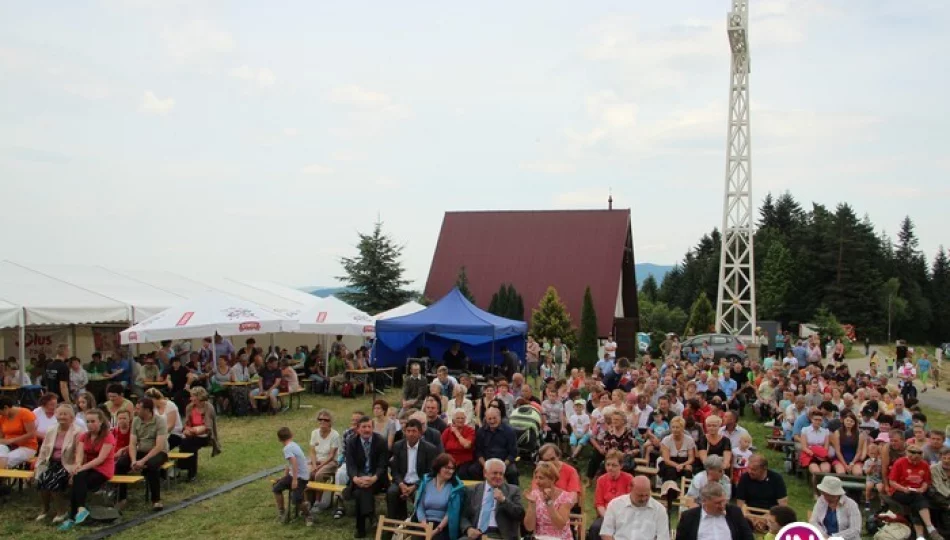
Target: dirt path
x=936 y=398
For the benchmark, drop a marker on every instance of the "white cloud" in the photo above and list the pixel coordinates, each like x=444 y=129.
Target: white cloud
x=549 y=167
x=316 y=169
x=361 y=98
x=291 y=132
x=196 y=40
x=152 y=104
x=91 y=91
x=262 y=77
x=346 y=155
x=594 y=197
x=387 y=182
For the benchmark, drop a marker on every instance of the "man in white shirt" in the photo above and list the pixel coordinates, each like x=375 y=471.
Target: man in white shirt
x=636 y=517
x=731 y=428
x=610 y=347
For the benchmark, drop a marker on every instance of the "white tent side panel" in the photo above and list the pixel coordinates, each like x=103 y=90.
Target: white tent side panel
x=9 y=315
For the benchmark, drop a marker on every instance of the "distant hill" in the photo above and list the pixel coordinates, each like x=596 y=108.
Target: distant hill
x=649 y=269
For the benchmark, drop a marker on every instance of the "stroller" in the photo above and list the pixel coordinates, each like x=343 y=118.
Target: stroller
x=526 y=421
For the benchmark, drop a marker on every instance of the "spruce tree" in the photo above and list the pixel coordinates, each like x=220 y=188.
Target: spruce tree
x=702 y=317
x=650 y=289
x=551 y=319
x=940 y=298
x=587 y=342
x=775 y=282
x=515 y=305
x=462 y=283
x=374 y=275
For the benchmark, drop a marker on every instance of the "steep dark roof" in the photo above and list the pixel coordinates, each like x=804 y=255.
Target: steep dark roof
x=532 y=250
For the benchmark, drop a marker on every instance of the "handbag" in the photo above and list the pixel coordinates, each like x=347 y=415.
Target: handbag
x=893 y=531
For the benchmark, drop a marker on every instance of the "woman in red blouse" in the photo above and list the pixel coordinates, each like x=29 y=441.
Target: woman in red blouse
x=122 y=432
x=614 y=484
x=459 y=442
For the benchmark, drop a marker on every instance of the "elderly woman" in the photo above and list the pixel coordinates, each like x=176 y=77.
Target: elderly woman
x=200 y=430
x=439 y=499
x=548 y=508
x=460 y=402
x=78 y=378
x=95 y=457
x=835 y=514
x=45 y=414
x=56 y=461
x=678 y=451
x=325 y=446
x=168 y=409
x=459 y=442
x=615 y=483
x=712 y=473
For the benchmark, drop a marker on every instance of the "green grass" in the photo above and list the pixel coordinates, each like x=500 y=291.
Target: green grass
x=250 y=445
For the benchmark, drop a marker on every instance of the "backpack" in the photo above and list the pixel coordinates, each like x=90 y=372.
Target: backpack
x=893 y=531
x=347 y=390
x=240 y=402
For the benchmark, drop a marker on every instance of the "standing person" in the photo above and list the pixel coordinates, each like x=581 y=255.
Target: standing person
x=562 y=357
x=763 y=342
x=366 y=463
x=18 y=441
x=56 y=375
x=533 y=357
x=439 y=499
x=296 y=476
x=610 y=347
x=95 y=457
x=715 y=519
x=78 y=378
x=493 y=508
x=148 y=451
x=56 y=461
x=779 y=344
x=637 y=516
x=923 y=370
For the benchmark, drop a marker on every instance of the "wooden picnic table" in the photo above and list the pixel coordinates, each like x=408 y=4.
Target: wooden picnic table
x=238 y=383
x=155 y=383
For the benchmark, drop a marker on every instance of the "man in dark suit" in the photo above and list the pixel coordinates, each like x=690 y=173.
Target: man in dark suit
x=366 y=463
x=719 y=520
x=412 y=458
x=492 y=508
x=499 y=441
x=415 y=388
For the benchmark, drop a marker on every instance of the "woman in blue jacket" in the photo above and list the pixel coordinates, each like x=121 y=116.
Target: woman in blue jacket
x=439 y=499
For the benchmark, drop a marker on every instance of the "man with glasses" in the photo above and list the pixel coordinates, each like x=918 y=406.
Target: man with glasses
x=908 y=481
x=493 y=508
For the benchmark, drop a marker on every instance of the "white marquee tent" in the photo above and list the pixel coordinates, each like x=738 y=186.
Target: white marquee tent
x=406 y=309
x=206 y=315
x=332 y=316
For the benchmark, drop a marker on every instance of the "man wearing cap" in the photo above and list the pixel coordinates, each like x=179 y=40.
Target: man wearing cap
x=835 y=514
x=908 y=480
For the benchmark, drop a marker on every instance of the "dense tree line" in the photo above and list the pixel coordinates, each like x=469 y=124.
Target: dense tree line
x=822 y=258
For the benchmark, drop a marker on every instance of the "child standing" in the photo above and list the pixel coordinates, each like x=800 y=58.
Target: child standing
x=295 y=477
x=872 y=470
x=740 y=457
x=923 y=370
x=580 y=428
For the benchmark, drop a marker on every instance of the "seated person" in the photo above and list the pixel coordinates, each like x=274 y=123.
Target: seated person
x=268 y=385
x=497 y=440
x=116 y=402
x=760 y=488
x=439 y=499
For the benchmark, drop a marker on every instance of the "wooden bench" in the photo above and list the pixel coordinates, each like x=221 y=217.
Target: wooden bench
x=127 y=480
x=579 y=524
x=291 y=395
x=16 y=475
x=647 y=471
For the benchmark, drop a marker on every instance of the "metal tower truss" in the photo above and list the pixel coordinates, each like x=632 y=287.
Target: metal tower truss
x=735 y=303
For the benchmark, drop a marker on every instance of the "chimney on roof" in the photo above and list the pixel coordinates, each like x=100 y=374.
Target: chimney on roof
x=610 y=201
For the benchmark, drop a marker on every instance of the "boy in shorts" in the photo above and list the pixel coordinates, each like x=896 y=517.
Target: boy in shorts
x=295 y=478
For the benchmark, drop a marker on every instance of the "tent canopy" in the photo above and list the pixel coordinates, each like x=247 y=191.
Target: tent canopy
x=453 y=314
x=9 y=315
x=406 y=309
x=333 y=316
x=204 y=316
x=451 y=319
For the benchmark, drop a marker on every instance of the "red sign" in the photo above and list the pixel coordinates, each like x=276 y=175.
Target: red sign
x=252 y=326
x=322 y=316
x=369 y=329
x=185 y=318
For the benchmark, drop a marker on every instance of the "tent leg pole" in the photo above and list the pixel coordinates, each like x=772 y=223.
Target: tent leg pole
x=22 y=351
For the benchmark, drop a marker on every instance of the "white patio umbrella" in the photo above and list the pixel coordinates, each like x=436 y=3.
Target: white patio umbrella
x=406 y=309
x=206 y=315
x=332 y=316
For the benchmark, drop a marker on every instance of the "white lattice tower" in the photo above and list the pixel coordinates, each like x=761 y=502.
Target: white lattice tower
x=735 y=303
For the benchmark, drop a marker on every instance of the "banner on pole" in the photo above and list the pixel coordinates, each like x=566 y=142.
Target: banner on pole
x=106 y=339
x=38 y=341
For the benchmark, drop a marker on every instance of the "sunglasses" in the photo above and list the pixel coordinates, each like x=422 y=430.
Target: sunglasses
x=323 y=419
x=916 y=452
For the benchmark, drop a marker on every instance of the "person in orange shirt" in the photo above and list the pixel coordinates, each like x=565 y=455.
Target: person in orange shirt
x=18 y=439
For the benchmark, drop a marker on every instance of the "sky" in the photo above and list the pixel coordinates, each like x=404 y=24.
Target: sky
x=256 y=139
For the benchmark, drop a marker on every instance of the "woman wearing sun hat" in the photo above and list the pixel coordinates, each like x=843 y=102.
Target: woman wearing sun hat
x=835 y=514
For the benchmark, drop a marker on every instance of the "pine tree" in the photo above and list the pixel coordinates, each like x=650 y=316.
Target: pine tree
x=940 y=298
x=774 y=282
x=587 y=342
x=911 y=268
x=650 y=289
x=374 y=275
x=702 y=317
x=500 y=302
x=462 y=283
x=551 y=319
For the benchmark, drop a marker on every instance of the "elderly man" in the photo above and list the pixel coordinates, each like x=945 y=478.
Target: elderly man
x=712 y=474
x=760 y=488
x=412 y=459
x=714 y=520
x=495 y=440
x=517 y=385
x=367 y=460
x=636 y=517
x=414 y=388
x=493 y=508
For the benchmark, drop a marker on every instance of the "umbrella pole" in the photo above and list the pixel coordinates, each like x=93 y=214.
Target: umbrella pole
x=22 y=344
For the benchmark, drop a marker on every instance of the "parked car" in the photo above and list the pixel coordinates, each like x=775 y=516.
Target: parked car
x=723 y=345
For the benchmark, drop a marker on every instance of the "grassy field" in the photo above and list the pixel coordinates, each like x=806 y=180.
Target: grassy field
x=250 y=445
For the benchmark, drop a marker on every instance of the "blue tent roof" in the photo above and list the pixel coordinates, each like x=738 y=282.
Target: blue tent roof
x=453 y=314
